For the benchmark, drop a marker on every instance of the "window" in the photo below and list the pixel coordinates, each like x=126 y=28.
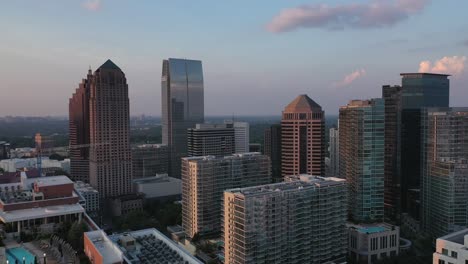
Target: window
x=441 y=261
x=454 y=254
x=445 y=251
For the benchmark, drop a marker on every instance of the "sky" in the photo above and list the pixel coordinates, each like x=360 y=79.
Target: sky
x=257 y=55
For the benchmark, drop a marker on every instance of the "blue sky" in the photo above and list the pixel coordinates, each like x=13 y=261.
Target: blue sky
x=252 y=66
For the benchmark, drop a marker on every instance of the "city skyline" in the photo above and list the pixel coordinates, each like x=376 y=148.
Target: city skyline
x=364 y=56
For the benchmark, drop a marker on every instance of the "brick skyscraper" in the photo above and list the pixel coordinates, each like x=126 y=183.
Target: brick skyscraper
x=79 y=130
x=303 y=138
x=110 y=167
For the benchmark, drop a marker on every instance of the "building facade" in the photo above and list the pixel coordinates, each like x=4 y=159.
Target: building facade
x=369 y=243
x=89 y=197
x=452 y=248
x=362 y=157
x=242 y=135
x=182 y=106
x=272 y=148
x=149 y=160
x=392 y=100
x=419 y=90
x=205 y=178
x=4 y=150
x=211 y=139
x=303 y=138
x=300 y=221
x=334 y=148
x=78 y=128
x=110 y=157
x=445 y=167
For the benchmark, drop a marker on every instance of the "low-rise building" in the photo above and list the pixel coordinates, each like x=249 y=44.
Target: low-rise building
x=125 y=204
x=143 y=246
x=160 y=187
x=13 y=165
x=149 y=160
x=368 y=243
x=42 y=203
x=89 y=197
x=452 y=248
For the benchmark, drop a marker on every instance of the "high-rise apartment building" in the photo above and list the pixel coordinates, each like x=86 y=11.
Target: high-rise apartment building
x=4 y=150
x=182 y=105
x=362 y=157
x=79 y=130
x=445 y=169
x=211 y=139
x=149 y=160
x=204 y=180
x=241 y=131
x=272 y=148
x=303 y=138
x=419 y=90
x=334 y=148
x=110 y=166
x=300 y=221
x=392 y=100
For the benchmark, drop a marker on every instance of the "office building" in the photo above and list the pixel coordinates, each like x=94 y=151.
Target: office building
x=44 y=144
x=182 y=106
x=272 y=148
x=159 y=187
x=78 y=129
x=4 y=150
x=299 y=221
x=142 y=246
x=149 y=160
x=110 y=166
x=444 y=168
x=419 y=90
x=211 y=139
x=241 y=132
x=392 y=102
x=205 y=178
x=369 y=243
x=89 y=198
x=452 y=248
x=303 y=138
x=362 y=157
x=334 y=149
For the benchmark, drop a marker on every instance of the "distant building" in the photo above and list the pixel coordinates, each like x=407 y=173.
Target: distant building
x=44 y=144
x=124 y=204
x=13 y=165
x=37 y=203
x=300 y=221
x=419 y=90
x=362 y=157
x=205 y=178
x=211 y=139
x=110 y=157
x=89 y=198
x=392 y=96
x=100 y=249
x=242 y=136
x=334 y=148
x=159 y=187
x=182 y=101
x=303 y=138
x=149 y=160
x=369 y=243
x=452 y=248
x=4 y=150
x=255 y=147
x=272 y=148
x=444 y=169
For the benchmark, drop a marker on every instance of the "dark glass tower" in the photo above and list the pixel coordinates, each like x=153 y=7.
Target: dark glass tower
x=272 y=148
x=419 y=91
x=182 y=106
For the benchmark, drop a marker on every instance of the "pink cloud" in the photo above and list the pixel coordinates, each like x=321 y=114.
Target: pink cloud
x=374 y=14
x=454 y=65
x=92 y=5
x=348 y=79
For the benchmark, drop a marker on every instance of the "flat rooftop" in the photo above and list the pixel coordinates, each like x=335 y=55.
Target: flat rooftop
x=414 y=74
x=160 y=178
x=457 y=237
x=108 y=250
x=233 y=156
x=372 y=228
x=40 y=212
x=151 y=246
x=50 y=181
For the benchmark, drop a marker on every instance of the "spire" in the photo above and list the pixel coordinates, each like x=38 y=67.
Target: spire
x=109 y=65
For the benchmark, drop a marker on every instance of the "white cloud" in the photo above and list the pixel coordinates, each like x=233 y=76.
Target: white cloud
x=374 y=14
x=92 y=5
x=348 y=79
x=454 y=65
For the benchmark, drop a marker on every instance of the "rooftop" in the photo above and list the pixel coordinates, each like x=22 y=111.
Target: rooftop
x=233 y=156
x=302 y=103
x=50 y=181
x=40 y=212
x=108 y=250
x=159 y=178
x=109 y=65
x=420 y=74
x=457 y=237
x=372 y=228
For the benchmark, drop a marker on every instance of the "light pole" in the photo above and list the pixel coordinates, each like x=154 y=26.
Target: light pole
x=45 y=261
x=24 y=260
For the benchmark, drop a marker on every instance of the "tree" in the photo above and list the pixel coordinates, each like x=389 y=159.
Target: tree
x=56 y=156
x=75 y=235
x=2 y=170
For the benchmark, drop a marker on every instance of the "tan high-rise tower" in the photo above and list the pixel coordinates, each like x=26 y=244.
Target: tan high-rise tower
x=110 y=167
x=303 y=138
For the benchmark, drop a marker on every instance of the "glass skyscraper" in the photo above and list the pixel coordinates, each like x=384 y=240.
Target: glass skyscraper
x=362 y=142
x=419 y=91
x=182 y=105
